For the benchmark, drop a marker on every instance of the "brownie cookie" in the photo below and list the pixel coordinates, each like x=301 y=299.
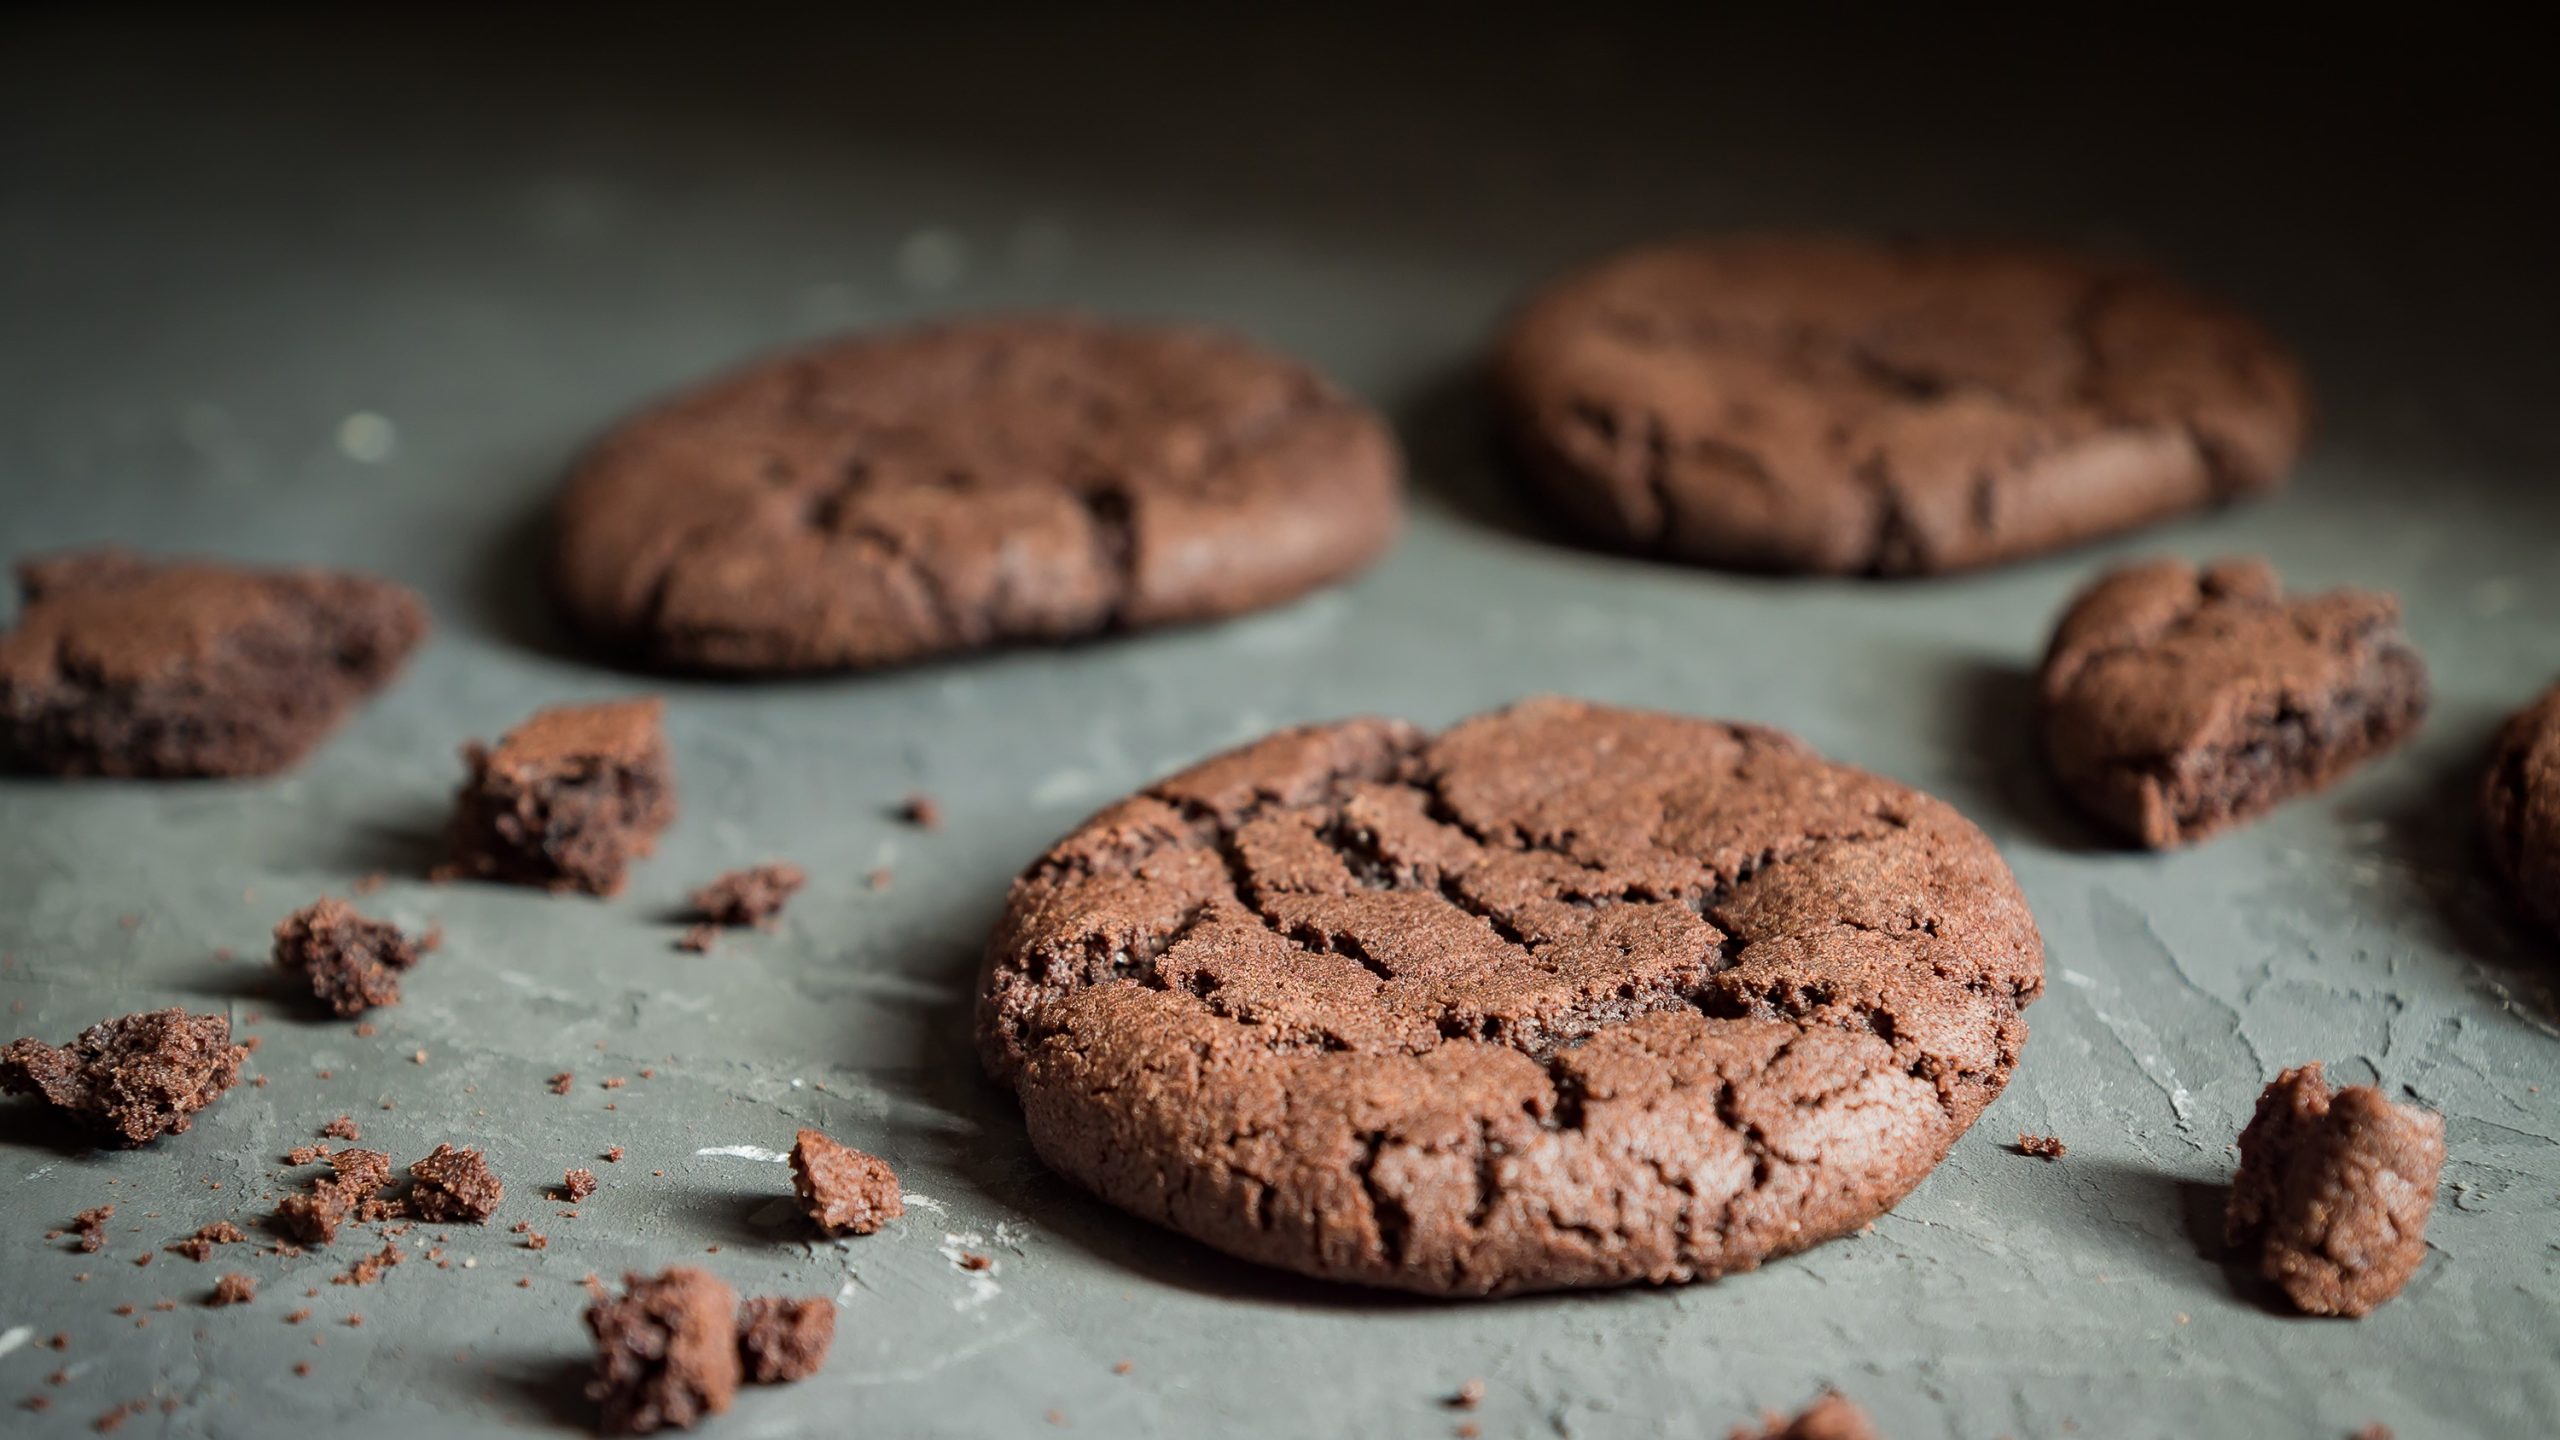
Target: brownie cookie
x=2179 y=701
x=2520 y=808
x=2334 y=1190
x=131 y=1079
x=1564 y=996
x=887 y=497
x=169 y=668
x=568 y=799
x=1843 y=406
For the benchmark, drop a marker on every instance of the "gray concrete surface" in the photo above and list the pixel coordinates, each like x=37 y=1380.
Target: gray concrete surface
x=298 y=288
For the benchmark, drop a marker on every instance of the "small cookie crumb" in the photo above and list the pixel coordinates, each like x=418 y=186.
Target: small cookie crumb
x=234 y=1289
x=2042 y=1147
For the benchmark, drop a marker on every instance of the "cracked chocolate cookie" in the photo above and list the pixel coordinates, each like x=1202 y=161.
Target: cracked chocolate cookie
x=2179 y=701
x=889 y=497
x=2520 y=808
x=1841 y=406
x=1565 y=996
x=122 y=665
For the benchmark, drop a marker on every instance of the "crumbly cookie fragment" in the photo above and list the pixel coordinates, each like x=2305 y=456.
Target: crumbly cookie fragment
x=568 y=799
x=350 y=963
x=2333 y=1192
x=782 y=1339
x=453 y=1185
x=843 y=1190
x=131 y=1079
x=666 y=1351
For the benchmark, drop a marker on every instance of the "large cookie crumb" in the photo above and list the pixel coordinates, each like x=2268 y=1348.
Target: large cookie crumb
x=453 y=1185
x=2333 y=1192
x=568 y=799
x=234 y=1289
x=781 y=1339
x=350 y=963
x=749 y=897
x=347 y=1193
x=131 y=1079
x=666 y=1351
x=843 y=1190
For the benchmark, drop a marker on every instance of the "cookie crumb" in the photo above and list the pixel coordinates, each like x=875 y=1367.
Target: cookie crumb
x=92 y=1227
x=1124 y=1367
x=597 y=776
x=348 y=1192
x=698 y=939
x=131 y=1079
x=234 y=1289
x=2375 y=1431
x=342 y=1128
x=1468 y=1396
x=453 y=1185
x=879 y=879
x=920 y=811
x=2333 y=1192
x=350 y=963
x=749 y=897
x=577 y=1185
x=666 y=1351
x=562 y=1082
x=782 y=1339
x=2042 y=1147
x=369 y=1269
x=973 y=1261
x=842 y=1190
x=613 y=1156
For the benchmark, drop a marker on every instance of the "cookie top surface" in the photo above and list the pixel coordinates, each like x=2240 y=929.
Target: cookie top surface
x=2520 y=807
x=1564 y=996
x=620 y=732
x=888 y=497
x=1841 y=406
x=108 y=617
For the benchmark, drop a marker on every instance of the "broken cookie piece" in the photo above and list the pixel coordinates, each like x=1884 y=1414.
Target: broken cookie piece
x=350 y=963
x=842 y=1189
x=666 y=1351
x=781 y=1339
x=2333 y=1192
x=2178 y=701
x=131 y=1079
x=567 y=800
x=122 y=665
x=2520 y=809
x=749 y=897
x=1831 y=1417
x=453 y=1185
x=347 y=1193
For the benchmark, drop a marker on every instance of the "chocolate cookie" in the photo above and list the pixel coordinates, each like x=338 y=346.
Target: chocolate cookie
x=2334 y=1190
x=1564 y=996
x=174 y=668
x=888 y=497
x=2178 y=701
x=2520 y=808
x=1841 y=406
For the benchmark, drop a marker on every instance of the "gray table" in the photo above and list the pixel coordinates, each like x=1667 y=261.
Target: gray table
x=281 y=289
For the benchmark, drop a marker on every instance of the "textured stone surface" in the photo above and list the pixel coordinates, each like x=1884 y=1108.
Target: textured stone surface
x=224 y=240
